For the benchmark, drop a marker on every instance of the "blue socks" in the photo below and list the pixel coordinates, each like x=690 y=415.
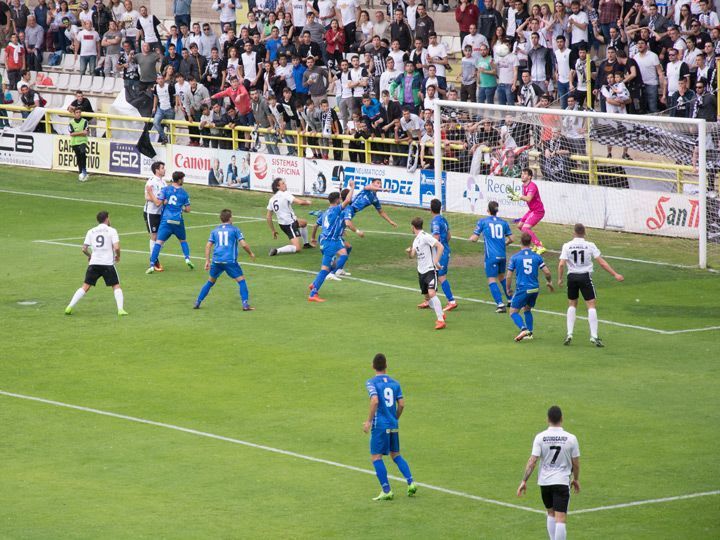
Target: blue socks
x=204 y=291
x=529 y=320
x=447 y=291
x=404 y=468
x=319 y=280
x=340 y=263
x=496 y=294
x=243 y=291
x=518 y=320
x=185 y=249
x=348 y=249
x=381 y=473
x=155 y=254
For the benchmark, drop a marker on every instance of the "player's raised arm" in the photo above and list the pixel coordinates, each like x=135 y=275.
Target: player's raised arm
x=529 y=468
x=605 y=266
x=247 y=249
x=349 y=196
x=302 y=202
x=269 y=219
x=371 y=413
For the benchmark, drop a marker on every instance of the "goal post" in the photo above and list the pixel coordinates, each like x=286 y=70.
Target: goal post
x=646 y=175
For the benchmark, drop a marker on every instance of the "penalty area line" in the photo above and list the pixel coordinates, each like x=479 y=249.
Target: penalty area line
x=405 y=288
x=256 y=446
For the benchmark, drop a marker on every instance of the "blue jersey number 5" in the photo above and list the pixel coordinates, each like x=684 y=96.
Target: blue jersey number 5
x=389 y=397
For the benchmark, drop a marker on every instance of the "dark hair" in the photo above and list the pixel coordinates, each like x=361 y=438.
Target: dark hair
x=528 y=170
x=155 y=166
x=579 y=229
x=379 y=362
x=102 y=216
x=333 y=197
x=225 y=215
x=525 y=239
x=417 y=223
x=276 y=185
x=554 y=414
x=178 y=176
x=344 y=193
x=493 y=207
x=435 y=206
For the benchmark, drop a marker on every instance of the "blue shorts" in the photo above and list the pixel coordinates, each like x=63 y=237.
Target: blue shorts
x=523 y=298
x=495 y=268
x=166 y=230
x=383 y=441
x=352 y=212
x=233 y=270
x=329 y=249
x=444 y=263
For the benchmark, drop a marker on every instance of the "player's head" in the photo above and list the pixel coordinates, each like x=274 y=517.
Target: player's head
x=158 y=169
x=103 y=217
x=380 y=363
x=525 y=239
x=278 y=185
x=417 y=224
x=77 y=113
x=579 y=230
x=226 y=215
x=493 y=207
x=554 y=415
x=526 y=175
x=435 y=206
x=376 y=182
x=334 y=197
x=178 y=177
x=344 y=193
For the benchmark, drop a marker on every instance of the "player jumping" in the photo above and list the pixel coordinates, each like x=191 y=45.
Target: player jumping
x=102 y=248
x=331 y=244
x=536 y=210
x=578 y=255
x=386 y=406
x=295 y=229
x=527 y=265
x=497 y=235
x=429 y=252
x=176 y=201
x=224 y=239
x=153 y=212
x=441 y=231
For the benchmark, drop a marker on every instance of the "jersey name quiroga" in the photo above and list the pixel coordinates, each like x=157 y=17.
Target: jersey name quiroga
x=555 y=447
x=579 y=254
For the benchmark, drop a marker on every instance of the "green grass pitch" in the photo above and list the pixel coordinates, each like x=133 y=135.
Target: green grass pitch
x=291 y=376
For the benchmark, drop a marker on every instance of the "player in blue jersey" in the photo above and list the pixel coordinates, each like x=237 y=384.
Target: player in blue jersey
x=526 y=264
x=331 y=243
x=440 y=229
x=337 y=267
x=223 y=242
x=175 y=201
x=497 y=235
x=386 y=406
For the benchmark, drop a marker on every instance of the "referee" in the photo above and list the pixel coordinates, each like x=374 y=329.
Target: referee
x=578 y=255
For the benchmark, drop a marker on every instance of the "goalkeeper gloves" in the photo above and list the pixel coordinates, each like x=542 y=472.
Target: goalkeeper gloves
x=513 y=195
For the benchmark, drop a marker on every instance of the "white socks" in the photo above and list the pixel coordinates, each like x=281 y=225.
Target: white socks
x=152 y=245
x=560 y=532
x=437 y=306
x=118 y=297
x=551 y=525
x=570 y=321
x=76 y=297
x=593 y=320
x=303 y=233
x=287 y=249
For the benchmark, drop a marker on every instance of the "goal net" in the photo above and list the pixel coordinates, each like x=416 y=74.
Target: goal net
x=652 y=177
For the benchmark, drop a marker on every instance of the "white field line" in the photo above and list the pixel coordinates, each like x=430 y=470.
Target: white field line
x=335 y=463
x=404 y=288
x=641 y=261
x=261 y=447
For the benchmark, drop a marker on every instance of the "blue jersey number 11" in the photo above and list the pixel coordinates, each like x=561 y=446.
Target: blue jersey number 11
x=223 y=238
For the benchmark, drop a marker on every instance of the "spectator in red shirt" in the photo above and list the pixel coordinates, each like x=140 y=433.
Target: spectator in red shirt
x=335 y=40
x=466 y=14
x=238 y=94
x=15 y=60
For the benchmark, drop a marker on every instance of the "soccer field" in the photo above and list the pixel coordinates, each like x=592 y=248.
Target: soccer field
x=177 y=423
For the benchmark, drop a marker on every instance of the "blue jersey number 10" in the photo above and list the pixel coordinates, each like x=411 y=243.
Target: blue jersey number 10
x=389 y=397
x=496 y=230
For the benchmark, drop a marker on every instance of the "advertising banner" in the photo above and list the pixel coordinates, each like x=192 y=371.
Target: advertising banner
x=97 y=156
x=126 y=159
x=666 y=214
x=26 y=149
x=264 y=168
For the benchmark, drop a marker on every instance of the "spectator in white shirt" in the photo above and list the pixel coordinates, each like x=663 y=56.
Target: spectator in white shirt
x=130 y=18
x=226 y=8
x=437 y=54
x=87 y=43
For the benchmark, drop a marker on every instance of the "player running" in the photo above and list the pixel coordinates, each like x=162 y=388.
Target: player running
x=153 y=212
x=337 y=267
x=102 y=248
x=578 y=255
x=281 y=203
x=536 y=209
x=526 y=264
x=223 y=241
x=441 y=231
x=497 y=235
x=176 y=201
x=429 y=252
x=331 y=244
x=386 y=406
x=559 y=455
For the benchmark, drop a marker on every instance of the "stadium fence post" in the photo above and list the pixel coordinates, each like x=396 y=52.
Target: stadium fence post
x=702 y=181
x=588 y=80
x=437 y=150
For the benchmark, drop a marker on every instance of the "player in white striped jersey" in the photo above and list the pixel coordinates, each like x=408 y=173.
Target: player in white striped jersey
x=559 y=456
x=428 y=251
x=102 y=248
x=295 y=229
x=578 y=255
x=152 y=211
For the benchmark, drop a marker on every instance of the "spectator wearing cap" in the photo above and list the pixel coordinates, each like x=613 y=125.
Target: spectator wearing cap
x=181 y=11
x=163 y=105
x=34 y=44
x=424 y=25
x=147 y=62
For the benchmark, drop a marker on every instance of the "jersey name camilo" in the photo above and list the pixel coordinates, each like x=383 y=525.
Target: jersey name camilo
x=555 y=447
x=441 y=228
x=101 y=240
x=579 y=254
x=177 y=198
x=388 y=392
x=425 y=246
x=526 y=265
x=225 y=240
x=156 y=185
x=494 y=231
x=281 y=204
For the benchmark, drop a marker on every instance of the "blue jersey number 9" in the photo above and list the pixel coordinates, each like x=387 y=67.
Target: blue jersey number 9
x=389 y=397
